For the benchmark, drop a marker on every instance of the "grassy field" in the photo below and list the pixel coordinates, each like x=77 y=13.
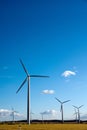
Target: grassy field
x=44 y=127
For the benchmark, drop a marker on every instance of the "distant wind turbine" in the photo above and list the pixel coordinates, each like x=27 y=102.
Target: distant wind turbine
x=42 y=117
x=76 y=114
x=61 y=109
x=12 y=114
x=28 y=76
x=31 y=113
x=78 y=111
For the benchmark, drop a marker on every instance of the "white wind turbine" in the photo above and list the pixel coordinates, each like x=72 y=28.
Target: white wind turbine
x=13 y=114
x=76 y=114
x=42 y=114
x=61 y=109
x=31 y=113
x=78 y=111
x=27 y=79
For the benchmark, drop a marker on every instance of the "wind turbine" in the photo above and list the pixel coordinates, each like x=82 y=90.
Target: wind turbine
x=61 y=109
x=78 y=111
x=13 y=113
x=31 y=113
x=27 y=79
x=76 y=114
x=42 y=117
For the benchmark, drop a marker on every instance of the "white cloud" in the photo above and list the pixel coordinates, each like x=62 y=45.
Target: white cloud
x=49 y=112
x=68 y=73
x=48 y=91
x=6 y=114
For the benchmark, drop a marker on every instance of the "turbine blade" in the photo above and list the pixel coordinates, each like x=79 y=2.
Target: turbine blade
x=81 y=106
x=75 y=106
x=58 y=100
x=66 y=101
x=24 y=67
x=39 y=76
x=75 y=110
x=21 y=85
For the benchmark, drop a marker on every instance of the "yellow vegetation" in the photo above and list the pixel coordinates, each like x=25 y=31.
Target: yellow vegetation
x=44 y=127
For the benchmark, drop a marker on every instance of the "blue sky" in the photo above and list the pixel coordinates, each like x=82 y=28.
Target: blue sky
x=50 y=37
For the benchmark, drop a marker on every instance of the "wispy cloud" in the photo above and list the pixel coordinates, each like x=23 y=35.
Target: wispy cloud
x=48 y=91
x=5 y=114
x=7 y=77
x=5 y=67
x=49 y=112
x=68 y=73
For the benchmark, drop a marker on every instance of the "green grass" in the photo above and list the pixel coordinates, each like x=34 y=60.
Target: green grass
x=44 y=127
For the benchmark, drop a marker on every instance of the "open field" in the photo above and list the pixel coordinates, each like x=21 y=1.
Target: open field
x=44 y=127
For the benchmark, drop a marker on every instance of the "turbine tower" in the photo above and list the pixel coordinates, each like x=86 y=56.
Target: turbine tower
x=61 y=109
x=76 y=114
x=78 y=111
x=27 y=79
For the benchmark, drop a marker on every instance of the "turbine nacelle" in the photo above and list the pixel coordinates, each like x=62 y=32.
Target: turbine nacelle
x=62 y=102
x=78 y=107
